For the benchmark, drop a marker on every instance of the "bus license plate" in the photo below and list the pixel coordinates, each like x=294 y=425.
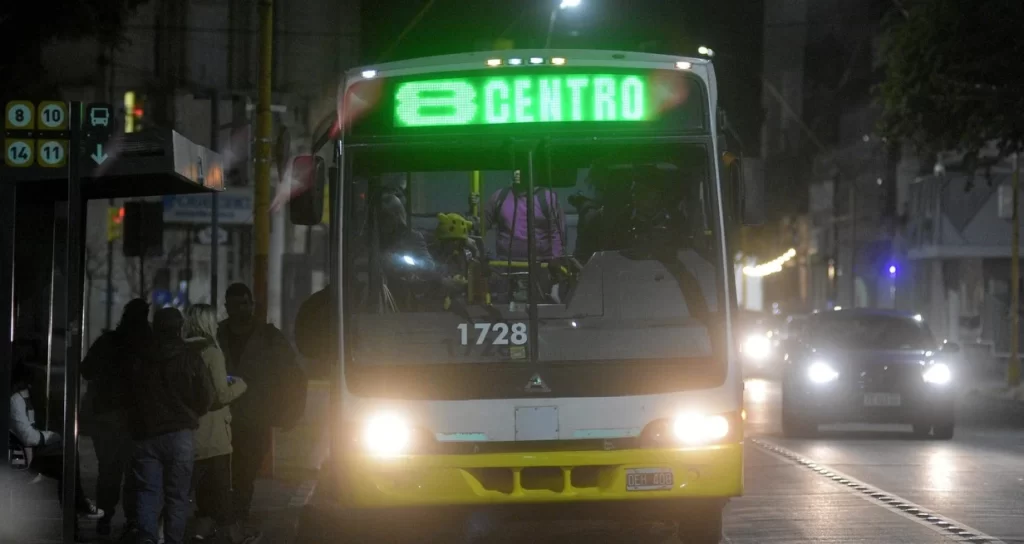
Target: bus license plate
x=648 y=479
x=882 y=399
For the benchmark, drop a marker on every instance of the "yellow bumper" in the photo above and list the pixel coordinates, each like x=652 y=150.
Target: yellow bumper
x=541 y=477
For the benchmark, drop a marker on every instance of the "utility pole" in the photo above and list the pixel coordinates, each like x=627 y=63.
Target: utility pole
x=214 y=208
x=264 y=126
x=853 y=243
x=1013 y=370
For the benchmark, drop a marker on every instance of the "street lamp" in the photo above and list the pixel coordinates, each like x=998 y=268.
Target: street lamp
x=706 y=51
x=566 y=4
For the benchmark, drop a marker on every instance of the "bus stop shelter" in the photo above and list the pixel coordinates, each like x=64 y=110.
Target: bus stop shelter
x=51 y=171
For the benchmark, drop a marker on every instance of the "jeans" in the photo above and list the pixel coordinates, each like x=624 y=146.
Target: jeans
x=212 y=484
x=162 y=470
x=250 y=445
x=113 y=445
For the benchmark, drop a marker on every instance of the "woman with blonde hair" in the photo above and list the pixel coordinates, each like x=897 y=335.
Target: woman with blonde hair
x=212 y=475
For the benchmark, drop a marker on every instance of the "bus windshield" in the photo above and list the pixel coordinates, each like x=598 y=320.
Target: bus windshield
x=624 y=264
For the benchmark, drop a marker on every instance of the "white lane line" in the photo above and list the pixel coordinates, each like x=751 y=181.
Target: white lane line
x=947 y=527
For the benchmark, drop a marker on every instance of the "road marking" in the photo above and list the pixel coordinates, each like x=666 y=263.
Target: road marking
x=947 y=527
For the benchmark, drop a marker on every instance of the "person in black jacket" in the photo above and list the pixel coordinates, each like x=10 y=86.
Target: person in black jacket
x=107 y=367
x=260 y=354
x=172 y=388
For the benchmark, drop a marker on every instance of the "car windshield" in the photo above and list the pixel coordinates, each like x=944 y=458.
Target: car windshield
x=623 y=266
x=872 y=332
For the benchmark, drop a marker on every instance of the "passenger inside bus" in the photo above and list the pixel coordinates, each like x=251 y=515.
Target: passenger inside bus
x=506 y=215
x=405 y=260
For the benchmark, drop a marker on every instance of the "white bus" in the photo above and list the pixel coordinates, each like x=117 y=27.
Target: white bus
x=571 y=349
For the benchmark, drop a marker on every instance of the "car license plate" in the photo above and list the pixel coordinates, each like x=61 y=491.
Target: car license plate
x=882 y=399
x=648 y=479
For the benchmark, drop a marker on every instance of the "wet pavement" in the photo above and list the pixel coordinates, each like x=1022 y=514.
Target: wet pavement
x=851 y=484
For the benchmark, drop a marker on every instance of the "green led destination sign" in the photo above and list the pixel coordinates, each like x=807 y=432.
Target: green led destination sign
x=536 y=98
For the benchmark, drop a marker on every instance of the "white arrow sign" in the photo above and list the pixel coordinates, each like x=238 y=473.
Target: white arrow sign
x=99 y=156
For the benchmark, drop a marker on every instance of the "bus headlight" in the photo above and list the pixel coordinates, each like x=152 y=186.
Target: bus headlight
x=938 y=374
x=387 y=434
x=757 y=346
x=693 y=429
x=821 y=373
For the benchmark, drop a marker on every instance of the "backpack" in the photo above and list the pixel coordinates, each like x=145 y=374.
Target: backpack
x=545 y=206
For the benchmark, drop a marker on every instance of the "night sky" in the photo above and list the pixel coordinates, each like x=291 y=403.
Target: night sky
x=731 y=27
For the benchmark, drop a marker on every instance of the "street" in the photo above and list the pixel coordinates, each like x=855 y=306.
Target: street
x=853 y=483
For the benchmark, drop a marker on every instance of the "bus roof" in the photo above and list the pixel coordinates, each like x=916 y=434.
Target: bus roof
x=573 y=57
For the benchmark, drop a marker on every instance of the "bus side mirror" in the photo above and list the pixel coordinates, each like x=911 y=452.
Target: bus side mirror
x=751 y=184
x=308 y=174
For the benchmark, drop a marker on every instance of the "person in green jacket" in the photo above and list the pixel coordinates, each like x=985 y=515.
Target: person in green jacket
x=212 y=475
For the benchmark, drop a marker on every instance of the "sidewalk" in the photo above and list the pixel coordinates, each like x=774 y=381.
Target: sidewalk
x=277 y=504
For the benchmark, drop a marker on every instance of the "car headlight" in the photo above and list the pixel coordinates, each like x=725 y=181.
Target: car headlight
x=693 y=429
x=387 y=434
x=757 y=346
x=938 y=374
x=821 y=373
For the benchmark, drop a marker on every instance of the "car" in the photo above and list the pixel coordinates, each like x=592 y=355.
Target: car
x=870 y=366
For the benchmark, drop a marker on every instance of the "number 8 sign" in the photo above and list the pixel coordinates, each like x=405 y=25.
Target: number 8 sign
x=20 y=115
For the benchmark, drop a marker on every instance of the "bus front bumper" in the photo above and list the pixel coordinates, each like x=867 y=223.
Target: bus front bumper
x=711 y=472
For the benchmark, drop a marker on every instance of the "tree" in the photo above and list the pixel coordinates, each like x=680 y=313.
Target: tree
x=954 y=82
x=25 y=27
x=953 y=77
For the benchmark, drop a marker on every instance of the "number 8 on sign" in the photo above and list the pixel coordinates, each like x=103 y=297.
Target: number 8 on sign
x=19 y=115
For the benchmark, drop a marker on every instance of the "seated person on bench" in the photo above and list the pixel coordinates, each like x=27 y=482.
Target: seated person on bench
x=46 y=446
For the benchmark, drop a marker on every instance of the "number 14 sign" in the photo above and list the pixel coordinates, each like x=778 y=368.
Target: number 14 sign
x=36 y=134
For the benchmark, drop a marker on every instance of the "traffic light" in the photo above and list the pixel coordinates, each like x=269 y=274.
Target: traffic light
x=134 y=110
x=143 y=226
x=115 y=221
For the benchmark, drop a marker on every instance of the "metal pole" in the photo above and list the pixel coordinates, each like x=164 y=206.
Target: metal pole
x=188 y=265
x=8 y=211
x=531 y=257
x=551 y=27
x=853 y=245
x=73 y=327
x=109 y=310
x=1013 y=369
x=142 y=270
x=264 y=125
x=214 y=209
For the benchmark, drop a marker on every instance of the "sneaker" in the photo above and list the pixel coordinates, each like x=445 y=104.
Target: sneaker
x=89 y=511
x=205 y=530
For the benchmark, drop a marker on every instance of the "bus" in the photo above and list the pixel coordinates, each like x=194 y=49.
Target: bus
x=574 y=354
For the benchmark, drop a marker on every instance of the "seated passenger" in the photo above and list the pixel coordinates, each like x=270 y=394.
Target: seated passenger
x=506 y=214
x=46 y=447
x=405 y=259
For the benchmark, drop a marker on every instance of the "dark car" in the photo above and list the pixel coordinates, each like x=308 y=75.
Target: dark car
x=868 y=366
